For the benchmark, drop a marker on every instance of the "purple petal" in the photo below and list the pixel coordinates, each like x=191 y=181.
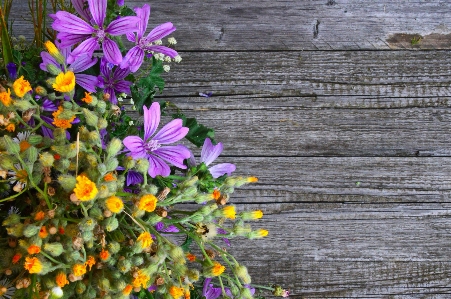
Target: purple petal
x=121 y=3
x=158 y=167
x=192 y=160
x=227 y=241
x=111 y=51
x=164 y=50
x=120 y=73
x=87 y=82
x=210 y=152
x=123 y=86
x=113 y=98
x=46 y=131
x=98 y=11
x=69 y=23
x=86 y=47
x=151 y=120
x=171 y=132
x=131 y=37
x=48 y=105
x=160 y=31
x=123 y=25
x=143 y=14
x=221 y=169
x=68 y=39
x=48 y=59
x=159 y=226
x=133 y=59
x=12 y=70
x=136 y=146
x=81 y=9
x=174 y=154
x=134 y=177
x=82 y=63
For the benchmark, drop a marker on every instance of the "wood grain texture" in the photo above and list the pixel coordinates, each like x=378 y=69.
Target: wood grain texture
x=296 y=25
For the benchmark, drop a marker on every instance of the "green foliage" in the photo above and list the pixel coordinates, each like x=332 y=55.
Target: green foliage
x=145 y=88
x=197 y=132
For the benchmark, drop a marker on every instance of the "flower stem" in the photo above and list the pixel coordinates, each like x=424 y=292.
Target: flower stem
x=13 y=196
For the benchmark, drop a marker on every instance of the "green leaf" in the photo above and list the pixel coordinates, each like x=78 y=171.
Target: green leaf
x=6 y=42
x=144 y=90
x=197 y=132
x=185 y=246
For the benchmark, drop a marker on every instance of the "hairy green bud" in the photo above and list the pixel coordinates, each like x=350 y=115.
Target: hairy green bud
x=242 y=273
x=31 y=230
x=11 y=146
x=87 y=224
x=91 y=118
x=53 y=69
x=96 y=213
x=114 y=147
x=110 y=224
x=137 y=260
x=111 y=164
x=55 y=249
x=34 y=139
x=102 y=123
x=101 y=107
x=11 y=219
x=124 y=265
x=46 y=159
x=114 y=247
x=142 y=165
x=68 y=182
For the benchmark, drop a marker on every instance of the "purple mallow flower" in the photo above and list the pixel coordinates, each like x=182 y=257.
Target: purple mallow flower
x=169 y=229
x=112 y=81
x=82 y=63
x=134 y=177
x=209 y=153
x=154 y=148
x=135 y=56
x=12 y=70
x=73 y=30
x=209 y=291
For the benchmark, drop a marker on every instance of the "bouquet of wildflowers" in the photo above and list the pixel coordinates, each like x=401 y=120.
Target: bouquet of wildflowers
x=94 y=203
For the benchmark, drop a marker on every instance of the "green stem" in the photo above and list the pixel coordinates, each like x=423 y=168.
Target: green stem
x=13 y=196
x=53 y=260
x=176 y=177
x=85 y=212
x=262 y=287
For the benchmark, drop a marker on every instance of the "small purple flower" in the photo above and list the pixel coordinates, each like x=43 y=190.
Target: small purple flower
x=209 y=291
x=12 y=70
x=224 y=232
x=73 y=30
x=120 y=2
x=153 y=147
x=209 y=153
x=82 y=63
x=134 y=177
x=169 y=229
x=113 y=81
x=135 y=56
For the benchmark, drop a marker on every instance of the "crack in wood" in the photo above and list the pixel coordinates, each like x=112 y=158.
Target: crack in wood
x=316 y=29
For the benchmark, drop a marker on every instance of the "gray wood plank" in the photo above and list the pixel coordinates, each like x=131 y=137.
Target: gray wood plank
x=296 y=25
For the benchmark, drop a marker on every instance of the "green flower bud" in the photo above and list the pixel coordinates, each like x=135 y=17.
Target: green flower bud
x=66 y=114
x=150 y=189
x=137 y=260
x=6 y=161
x=31 y=230
x=111 y=164
x=94 y=138
x=53 y=69
x=241 y=272
x=101 y=107
x=40 y=91
x=124 y=266
x=114 y=247
x=202 y=197
x=114 y=147
x=46 y=159
x=23 y=105
x=87 y=235
x=34 y=139
x=96 y=213
x=142 y=165
x=245 y=293
x=11 y=219
x=56 y=292
x=104 y=284
x=190 y=192
x=62 y=165
x=87 y=224
x=110 y=224
x=67 y=182
x=94 y=101
x=196 y=217
x=230 y=181
x=177 y=254
x=190 y=182
x=51 y=96
x=67 y=105
x=102 y=123
x=11 y=146
x=16 y=230
x=241 y=230
x=31 y=154
x=59 y=136
x=103 y=191
x=128 y=162
x=80 y=287
x=119 y=284
x=193 y=274
x=102 y=169
x=91 y=118
x=207 y=209
x=55 y=249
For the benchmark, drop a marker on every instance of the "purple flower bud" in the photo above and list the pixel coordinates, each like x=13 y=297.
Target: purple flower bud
x=120 y=2
x=12 y=70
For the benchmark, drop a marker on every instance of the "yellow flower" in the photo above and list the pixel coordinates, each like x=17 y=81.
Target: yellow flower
x=216 y=194
x=90 y=262
x=21 y=87
x=64 y=82
x=51 y=48
x=10 y=128
x=60 y=122
x=127 y=290
x=87 y=99
x=252 y=179
x=61 y=279
x=176 y=292
x=33 y=265
x=114 y=204
x=43 y=232
x=5 y=97
x=140 y=279
x=109 y=177
x=262 y=232
x=33 y=249
x=146 y=239
x=147 y=203
x=217 y=269
x=229 y=212
x=39 y=216
x=85 y=189
x=79 y=269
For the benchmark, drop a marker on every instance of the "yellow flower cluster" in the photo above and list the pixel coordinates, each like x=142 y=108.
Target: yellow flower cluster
x=85 y=189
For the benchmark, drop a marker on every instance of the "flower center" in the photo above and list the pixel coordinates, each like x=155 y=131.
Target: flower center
x=152 y=145
x=101 y=35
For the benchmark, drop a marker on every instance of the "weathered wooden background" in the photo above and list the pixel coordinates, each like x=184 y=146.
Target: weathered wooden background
x=341 y=108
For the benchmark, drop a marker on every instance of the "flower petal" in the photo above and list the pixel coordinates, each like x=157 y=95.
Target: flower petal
x=82 y=63
x=171 y=132
x=69 y=23
x=174 y=154
x=123 y=25
x=134 y=177
x=111 y=51
x=136 y=146
x=88 y=82
x=133 y=59
x=143 y=14
x=160 y=31
x=81 y=9
x=68 y=39
x=158 y=167
x=48 y=59
x=164 y=50
x=221 y=169
x=86 y=47
x=98 y=11
x=151 y=119
x=123 y=86
x=210 y=152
